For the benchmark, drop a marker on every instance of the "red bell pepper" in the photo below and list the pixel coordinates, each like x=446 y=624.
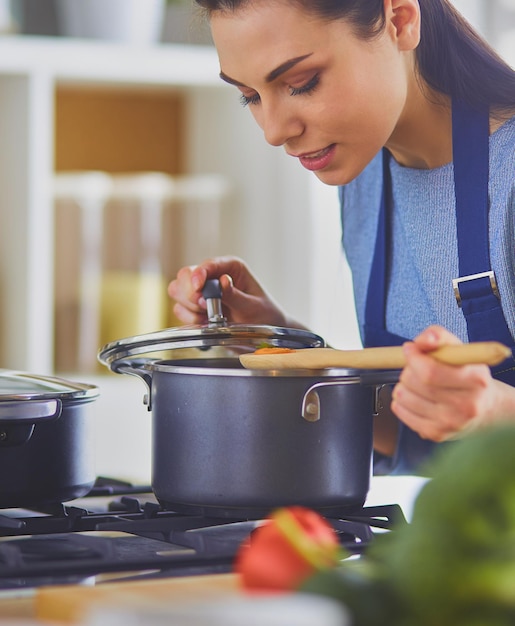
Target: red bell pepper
x=288 y=548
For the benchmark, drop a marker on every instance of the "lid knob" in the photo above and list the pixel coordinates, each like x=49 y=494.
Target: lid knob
x=212 y=293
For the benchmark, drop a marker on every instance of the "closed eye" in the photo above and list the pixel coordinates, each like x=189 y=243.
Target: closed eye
x=246 y=100
x=307 y=88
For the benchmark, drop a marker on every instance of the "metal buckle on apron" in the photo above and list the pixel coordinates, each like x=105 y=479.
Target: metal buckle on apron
x=456 y=284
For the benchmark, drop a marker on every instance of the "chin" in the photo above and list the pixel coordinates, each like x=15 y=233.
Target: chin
x=344 y=173
x=334 y=178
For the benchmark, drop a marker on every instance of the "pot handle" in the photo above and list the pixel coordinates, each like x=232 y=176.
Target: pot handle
x=310 y=409
x=136 y=367
x=33 y=411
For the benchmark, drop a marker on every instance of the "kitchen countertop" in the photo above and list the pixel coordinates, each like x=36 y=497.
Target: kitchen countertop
x=71 y=604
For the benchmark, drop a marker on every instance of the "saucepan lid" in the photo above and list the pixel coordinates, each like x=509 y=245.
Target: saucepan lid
x=16 y=385
x=216 y=338
x=31 y=398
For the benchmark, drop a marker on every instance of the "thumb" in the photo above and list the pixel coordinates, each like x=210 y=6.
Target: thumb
x=433 y=337
x=232 y=297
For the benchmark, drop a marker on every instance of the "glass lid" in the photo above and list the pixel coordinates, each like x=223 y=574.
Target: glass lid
x=205 y=340
x=15 y=385
x=202 y=341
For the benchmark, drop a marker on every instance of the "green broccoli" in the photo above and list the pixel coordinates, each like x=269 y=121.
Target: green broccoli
x=454 y=564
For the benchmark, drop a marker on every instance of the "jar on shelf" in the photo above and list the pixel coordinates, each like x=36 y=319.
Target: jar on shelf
x=119 y=240
x=128 y=21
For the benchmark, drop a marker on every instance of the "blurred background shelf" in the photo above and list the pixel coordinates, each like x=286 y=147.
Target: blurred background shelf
x=68 y=105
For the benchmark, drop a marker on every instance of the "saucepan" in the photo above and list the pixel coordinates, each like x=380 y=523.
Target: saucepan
x=230 y=441
x=46 y=439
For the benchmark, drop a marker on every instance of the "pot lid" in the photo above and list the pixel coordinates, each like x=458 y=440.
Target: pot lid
x=206 y=339
x=16 y=385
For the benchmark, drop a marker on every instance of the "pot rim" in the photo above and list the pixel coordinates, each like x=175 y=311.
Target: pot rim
x=203 y=367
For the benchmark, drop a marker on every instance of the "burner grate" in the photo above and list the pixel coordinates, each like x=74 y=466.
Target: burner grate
x=132 y=532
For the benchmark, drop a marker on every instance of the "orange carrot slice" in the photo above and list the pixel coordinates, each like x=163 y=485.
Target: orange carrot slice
x=273 y=350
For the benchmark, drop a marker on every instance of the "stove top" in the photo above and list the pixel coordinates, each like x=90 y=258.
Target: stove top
x=120 y=531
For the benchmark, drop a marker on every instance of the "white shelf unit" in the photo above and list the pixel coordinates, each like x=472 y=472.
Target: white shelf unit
x=269 y=220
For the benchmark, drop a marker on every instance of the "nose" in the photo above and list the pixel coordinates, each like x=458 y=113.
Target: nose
x=280 y=123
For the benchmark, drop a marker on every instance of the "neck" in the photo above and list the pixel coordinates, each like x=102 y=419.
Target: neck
x=422 y=138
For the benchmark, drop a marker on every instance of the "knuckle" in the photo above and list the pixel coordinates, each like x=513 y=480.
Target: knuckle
x=183 y=274
x=468 y=409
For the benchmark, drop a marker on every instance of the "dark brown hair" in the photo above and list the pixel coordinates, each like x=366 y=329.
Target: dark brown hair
x=451 y=57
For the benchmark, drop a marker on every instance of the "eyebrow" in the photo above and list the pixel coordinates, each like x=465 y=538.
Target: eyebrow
x=271 y=76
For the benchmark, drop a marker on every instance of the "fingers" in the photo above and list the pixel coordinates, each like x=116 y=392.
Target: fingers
x=187 y=287
x=434 y=399
x=187 y=316
x=424 y=372
x=232 y=272
x=436 y=416
x=185 y=290
x=244 y=300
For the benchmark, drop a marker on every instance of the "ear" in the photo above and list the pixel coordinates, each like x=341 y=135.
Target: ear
x=403 y=21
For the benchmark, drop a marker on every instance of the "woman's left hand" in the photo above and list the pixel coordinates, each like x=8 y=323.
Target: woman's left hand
x=440 y=401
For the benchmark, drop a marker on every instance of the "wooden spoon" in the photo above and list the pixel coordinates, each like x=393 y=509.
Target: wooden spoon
x=489 y=353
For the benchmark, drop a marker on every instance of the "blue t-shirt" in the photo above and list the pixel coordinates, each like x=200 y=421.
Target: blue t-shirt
x=423 y=251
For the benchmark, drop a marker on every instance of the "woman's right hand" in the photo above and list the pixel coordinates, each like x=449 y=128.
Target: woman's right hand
x=244 y=301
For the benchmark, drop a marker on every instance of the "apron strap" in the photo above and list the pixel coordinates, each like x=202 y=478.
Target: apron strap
x=476 y=288
x=470 y=137
x=375 y=308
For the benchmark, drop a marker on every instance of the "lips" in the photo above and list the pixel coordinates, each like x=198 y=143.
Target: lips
x=317 y=160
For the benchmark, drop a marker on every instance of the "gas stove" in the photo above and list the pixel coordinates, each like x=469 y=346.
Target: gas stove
x=120 y=532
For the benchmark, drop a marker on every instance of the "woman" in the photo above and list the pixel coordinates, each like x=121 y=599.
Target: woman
x=379 y=97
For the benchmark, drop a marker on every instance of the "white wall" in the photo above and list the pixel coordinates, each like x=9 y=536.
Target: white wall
x=495 y=20
x=122 y=423
x=332 y=310
x=475 y=12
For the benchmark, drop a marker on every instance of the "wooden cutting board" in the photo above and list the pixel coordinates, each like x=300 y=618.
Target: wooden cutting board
x=71 y=604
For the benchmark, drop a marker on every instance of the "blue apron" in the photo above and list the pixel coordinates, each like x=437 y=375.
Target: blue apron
x=475 y=288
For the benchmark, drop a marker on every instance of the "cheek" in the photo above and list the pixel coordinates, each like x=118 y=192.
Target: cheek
x=374 y=110
x=389 y=90
x=376 y=88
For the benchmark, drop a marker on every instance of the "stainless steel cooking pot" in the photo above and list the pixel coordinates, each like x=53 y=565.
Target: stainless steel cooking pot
x=229 y=441
x=46 y=439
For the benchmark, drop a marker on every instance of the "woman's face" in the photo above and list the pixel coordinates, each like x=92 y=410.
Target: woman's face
x=330 y=98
